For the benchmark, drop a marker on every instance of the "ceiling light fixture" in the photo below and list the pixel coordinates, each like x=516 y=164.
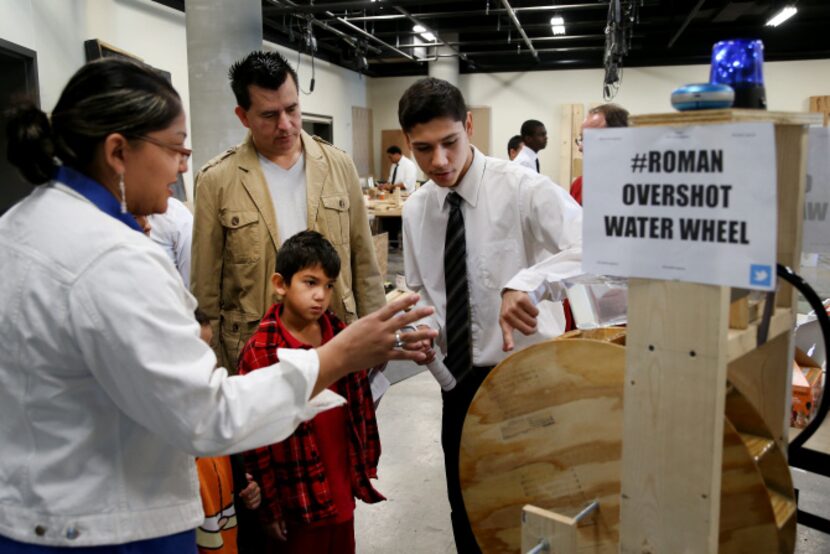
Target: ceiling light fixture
x=557 y=25
x=425 y=34
x=782 y=16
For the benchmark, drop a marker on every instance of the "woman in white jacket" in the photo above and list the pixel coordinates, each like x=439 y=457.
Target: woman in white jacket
x=106 y=390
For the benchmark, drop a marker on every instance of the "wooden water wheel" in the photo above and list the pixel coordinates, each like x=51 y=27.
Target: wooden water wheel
x=545 y=429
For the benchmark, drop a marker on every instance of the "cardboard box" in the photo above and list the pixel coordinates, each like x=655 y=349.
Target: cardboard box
x=808 y=380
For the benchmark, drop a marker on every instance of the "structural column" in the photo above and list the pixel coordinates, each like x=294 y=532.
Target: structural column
x=445 y=68
x=218 y=33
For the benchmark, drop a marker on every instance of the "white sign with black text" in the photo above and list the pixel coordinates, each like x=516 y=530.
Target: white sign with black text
x=693 y=204
x=817 y=193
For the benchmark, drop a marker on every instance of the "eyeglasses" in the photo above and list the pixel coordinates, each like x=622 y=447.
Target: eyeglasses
x=181 y=150
x=579 y=140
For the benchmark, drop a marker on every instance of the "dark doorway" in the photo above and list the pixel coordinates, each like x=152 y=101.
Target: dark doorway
x=320 y=125
x=18 y=81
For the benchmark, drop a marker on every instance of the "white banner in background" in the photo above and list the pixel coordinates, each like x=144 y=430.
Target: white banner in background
x=817 y=193
x=691 y=204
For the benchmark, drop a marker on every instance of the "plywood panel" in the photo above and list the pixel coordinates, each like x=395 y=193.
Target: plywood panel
x=545 y=429
x=362 y=151
x=482 y=135
x=389 y=137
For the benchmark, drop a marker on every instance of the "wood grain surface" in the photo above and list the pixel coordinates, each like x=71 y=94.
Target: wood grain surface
x=545 y=429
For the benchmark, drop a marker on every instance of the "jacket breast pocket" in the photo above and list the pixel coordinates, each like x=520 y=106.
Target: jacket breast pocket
x=242 y=242
x=336 y=213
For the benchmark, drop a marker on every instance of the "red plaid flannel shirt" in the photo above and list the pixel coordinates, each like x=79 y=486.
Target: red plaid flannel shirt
x=291 y=473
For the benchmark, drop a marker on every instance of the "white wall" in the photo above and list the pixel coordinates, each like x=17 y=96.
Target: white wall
x=515 y=97
x=57 y=29
x=336 y=90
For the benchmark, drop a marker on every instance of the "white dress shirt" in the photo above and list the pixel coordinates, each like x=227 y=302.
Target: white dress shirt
x=289 y=195
x=173 y=231
x=106 y=390
x=527 y=158
x=523 y=233
x=407 y=174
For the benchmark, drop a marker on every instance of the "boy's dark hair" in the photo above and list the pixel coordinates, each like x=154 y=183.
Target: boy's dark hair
x=514 y=143
x=307 y=249
x=393 y=150
x=201 y=317
x=615 y=115
x=263 y=69
x=529 y=127
x=428 y=99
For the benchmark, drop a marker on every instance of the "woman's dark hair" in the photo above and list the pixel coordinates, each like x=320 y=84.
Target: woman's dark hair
x=263 y=69
x=103 y=97
x=428 y=99
x=307 y=249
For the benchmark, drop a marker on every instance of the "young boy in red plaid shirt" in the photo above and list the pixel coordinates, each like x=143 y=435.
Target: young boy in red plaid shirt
x=310 y=480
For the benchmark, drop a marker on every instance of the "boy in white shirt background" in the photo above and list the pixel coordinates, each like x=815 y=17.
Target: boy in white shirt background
x=480 y=237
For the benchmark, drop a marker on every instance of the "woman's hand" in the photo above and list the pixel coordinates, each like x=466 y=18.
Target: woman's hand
x=374 y=339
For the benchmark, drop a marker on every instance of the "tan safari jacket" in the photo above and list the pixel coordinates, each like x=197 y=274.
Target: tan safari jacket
x=235 y=239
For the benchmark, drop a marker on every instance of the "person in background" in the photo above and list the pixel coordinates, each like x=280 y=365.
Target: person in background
x=606 y=115
x=479 y=237
x=218 y=483
x=514 y=146
x=102 y=373
x=310 y=479
x=249 y=199
x=402 y=173
x=173 y=231
x=535 y=138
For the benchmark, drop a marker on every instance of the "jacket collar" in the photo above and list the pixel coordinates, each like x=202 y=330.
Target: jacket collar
x=316 y=172
x=96 y=193
x=253 y=179
x=272 y=332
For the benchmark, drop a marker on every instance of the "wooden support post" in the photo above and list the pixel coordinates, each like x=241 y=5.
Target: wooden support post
x=679 y=349
x=570 y=160
x=675 y=386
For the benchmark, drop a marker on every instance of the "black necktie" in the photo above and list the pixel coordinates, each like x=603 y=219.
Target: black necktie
x=537 y=166
x=457 y=327
x=394 y=173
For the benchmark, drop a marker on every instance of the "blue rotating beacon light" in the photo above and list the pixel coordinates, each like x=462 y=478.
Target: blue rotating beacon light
x=739 y=64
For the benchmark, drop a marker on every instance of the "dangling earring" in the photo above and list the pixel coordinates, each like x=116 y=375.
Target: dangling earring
x=123 y=193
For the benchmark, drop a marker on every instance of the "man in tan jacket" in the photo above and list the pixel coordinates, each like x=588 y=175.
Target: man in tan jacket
x=252 y=197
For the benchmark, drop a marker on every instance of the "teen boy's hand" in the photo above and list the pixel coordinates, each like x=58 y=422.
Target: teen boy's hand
x=517 y=312
x=424 y=346
x=371 y=340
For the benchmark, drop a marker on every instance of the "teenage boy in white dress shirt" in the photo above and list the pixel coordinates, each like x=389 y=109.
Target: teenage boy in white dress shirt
x=519 y=232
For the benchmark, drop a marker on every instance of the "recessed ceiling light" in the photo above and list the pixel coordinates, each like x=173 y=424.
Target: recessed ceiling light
x=557 y=25
x=782 y=16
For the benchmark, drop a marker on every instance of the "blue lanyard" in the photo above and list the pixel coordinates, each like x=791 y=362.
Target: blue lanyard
x=96 y=193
